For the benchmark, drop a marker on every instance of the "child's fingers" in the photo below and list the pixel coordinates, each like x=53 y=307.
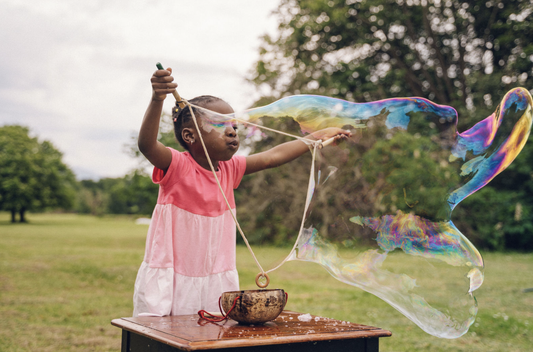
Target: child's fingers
x=162 y=78
x=335 y=132
x=163 y=82
x=161 y=90
x=166 y=72
x=161 y=73
x=170 y=85
x=342 y=137
x=335 y=135
x=165 y=89
x=343 y=134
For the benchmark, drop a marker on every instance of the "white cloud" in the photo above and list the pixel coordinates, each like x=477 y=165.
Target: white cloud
x=77 y=72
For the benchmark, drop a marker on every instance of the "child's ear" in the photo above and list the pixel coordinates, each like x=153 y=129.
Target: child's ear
x=188 y=135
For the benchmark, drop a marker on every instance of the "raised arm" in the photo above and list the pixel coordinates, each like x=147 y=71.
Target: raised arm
x=289 y=151
x=152 y=149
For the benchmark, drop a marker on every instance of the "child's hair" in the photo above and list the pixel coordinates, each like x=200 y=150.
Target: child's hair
x=183 y=117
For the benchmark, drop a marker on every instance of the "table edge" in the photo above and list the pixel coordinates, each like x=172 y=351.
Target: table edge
x=188 y=345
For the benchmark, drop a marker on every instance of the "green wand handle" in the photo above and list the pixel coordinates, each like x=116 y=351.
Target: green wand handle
x=175 y=93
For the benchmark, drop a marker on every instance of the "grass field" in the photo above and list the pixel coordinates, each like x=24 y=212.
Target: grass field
x=63 y=278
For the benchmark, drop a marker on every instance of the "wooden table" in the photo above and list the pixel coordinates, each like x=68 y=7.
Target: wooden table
x=286 y=333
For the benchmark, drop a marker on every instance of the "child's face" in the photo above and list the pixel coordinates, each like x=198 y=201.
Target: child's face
x=221 y=142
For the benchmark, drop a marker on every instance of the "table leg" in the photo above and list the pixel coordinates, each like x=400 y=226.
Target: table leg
x=125 y=341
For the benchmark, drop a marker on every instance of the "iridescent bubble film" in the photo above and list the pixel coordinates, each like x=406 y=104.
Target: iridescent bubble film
x=393 y=187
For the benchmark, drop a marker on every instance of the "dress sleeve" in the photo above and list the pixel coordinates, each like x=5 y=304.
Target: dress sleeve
x=164 y=178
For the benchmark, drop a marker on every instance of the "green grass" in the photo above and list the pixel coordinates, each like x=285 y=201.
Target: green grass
x=63 y=278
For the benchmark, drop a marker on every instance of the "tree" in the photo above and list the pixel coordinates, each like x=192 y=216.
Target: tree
x=133 y=194
x=466 y=54
x=32 y=175
x=93 y=196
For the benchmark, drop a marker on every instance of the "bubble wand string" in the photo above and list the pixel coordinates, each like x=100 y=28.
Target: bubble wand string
x=185 y=103
x=222 y=191
x=306 y=141
x=182 y=103
x=233 y=118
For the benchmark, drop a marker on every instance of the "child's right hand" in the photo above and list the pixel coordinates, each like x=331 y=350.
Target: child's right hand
x=162 y=84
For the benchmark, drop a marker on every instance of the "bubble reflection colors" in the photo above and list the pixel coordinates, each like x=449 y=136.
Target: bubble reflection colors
x=390 y=191
x=394 y=191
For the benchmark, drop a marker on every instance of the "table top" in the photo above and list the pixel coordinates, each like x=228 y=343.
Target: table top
x=190 y=332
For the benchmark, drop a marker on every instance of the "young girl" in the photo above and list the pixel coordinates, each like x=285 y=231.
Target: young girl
x=190 y=248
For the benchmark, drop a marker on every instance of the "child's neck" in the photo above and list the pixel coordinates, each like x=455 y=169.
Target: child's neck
x=201 y=160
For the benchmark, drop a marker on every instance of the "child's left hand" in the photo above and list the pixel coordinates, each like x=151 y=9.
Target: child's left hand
x=331 y=132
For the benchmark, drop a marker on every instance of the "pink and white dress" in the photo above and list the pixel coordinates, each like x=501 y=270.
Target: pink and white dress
x=190 y=247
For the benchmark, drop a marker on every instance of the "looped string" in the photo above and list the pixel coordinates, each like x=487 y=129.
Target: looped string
x=213 y=318
x=315 y=144
x=221 y=190
x=306 y=208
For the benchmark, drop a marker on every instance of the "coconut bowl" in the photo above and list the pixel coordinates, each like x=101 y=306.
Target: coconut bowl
x=254 y=306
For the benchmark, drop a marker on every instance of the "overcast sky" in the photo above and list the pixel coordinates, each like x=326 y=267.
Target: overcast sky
x=77 y=73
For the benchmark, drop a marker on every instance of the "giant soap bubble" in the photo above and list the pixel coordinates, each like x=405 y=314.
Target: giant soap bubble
x=394 y=186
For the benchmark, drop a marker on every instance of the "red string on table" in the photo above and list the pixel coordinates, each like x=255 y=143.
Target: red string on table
x=202 y=313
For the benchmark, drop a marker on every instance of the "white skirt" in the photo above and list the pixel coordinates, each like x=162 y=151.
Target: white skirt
x=161 y=291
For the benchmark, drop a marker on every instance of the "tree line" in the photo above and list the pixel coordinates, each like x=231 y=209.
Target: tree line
x=33 y=177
